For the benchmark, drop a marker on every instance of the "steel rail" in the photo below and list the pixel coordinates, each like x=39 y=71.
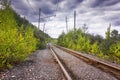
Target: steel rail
x=100 y=64
x=68 y=77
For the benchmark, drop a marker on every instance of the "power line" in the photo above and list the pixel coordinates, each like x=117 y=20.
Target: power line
x=47 y=16
x=57 y=7
x=39 y=19
x=30 y=5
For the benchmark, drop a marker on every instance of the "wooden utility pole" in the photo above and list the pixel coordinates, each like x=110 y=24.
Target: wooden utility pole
x=39 y=18
x=66 y=25
x=74 y=20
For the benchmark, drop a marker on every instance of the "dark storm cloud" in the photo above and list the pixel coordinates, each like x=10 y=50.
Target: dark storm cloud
x=48 y=7
x=56 y=1
x=25 y=8
x=116 y=23
x=114 y=17
x=72 y=4
x=103 y=3
x=29 y=8
x=20 y=7
x=47 y=10
x=94 y=12
x=79 y=1
x=115 y=20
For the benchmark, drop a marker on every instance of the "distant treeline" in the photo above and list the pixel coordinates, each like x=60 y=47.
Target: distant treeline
x=18 y=37
x=80 y=40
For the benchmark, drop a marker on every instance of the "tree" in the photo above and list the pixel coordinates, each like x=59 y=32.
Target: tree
x=16 y=41
x=5 y=3
x=94 y=38
x=108 y=32
x=114 y=35
x=84 y=28
x=61 y=39
x=108 y=48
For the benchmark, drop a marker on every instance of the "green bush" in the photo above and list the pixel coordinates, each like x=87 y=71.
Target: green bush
x=95 y=48
x=115 y=51
x=108 y=48
x=16 y=42
x=14 y=46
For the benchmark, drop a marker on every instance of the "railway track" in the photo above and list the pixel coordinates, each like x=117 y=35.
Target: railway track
x=68 y=77
x=99 y=64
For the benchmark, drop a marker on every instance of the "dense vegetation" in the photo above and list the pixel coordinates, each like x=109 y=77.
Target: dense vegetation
x=80 y=40
x=18 y=38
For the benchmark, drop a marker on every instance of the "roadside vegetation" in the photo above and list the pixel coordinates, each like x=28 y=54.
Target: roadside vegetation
x=107 y=48
x=18 y=37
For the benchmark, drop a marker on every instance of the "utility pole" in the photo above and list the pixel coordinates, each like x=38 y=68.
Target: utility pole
x=74 y=20
x=66 y=25
x=39 y=18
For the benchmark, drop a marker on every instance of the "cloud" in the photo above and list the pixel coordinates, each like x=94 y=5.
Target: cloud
x=103 y=3
x=97 y=14
x=47 y=10
x=56 y=1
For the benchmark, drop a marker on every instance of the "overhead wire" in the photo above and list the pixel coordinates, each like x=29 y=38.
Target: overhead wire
x=57 y=7
x=31 y=6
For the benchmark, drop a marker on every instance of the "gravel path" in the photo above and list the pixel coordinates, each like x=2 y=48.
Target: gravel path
x=81 y=70
x=40 y=66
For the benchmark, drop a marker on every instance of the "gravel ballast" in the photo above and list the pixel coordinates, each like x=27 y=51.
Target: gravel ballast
x=81 y=70
x=40 y=66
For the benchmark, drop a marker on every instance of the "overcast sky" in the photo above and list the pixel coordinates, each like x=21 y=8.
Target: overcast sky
x=97 y=14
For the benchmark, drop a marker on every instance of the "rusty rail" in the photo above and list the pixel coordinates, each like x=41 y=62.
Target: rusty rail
x=68 y=77
x=97 y=63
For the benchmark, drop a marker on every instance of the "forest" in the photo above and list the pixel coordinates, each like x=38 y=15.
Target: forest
x=80 y=40
x=18 y=37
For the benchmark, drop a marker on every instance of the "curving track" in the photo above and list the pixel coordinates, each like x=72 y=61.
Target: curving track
x=68 y=77
x=75 y=67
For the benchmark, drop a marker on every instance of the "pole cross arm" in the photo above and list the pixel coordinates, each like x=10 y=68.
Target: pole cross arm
x=48 y=16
